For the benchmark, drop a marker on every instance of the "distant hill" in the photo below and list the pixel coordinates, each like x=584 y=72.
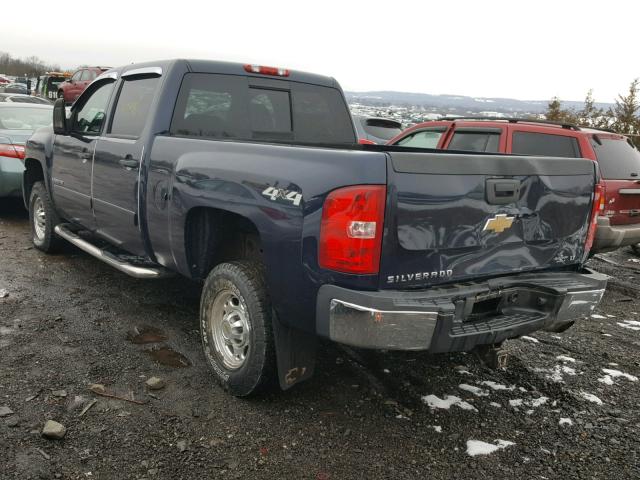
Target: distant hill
x=457 y=104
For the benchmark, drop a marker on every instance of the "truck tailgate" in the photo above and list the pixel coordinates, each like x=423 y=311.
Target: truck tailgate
x=452 y=216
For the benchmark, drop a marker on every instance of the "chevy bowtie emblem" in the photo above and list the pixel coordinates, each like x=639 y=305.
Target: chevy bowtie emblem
x=499 y=223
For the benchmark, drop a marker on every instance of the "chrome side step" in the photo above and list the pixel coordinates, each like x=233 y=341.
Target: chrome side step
x=110 y=259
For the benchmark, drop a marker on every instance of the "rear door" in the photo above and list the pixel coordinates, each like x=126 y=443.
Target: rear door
x=118 y=158
x=452 y=216
x=619 y=163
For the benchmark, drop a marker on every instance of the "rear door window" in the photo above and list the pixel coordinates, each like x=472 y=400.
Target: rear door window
x=475 y=141
x=545 y=145
x=227 y=107
x=422 y=139
x=132 y=107
x=617 y=159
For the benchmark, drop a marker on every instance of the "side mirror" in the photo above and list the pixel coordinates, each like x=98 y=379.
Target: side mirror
x=60 y=118
x=68 y=80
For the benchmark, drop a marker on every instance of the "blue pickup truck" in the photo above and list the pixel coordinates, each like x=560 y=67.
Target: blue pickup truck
x=250 y=179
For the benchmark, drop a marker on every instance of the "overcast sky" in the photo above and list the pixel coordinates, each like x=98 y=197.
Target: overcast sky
x=525 y=50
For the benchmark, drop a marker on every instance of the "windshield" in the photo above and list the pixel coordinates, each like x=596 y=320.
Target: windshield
x=25 y=118
x=617 y=159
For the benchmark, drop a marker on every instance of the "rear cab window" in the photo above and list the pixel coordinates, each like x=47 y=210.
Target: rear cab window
x=217 y=106
x=476 y=139
x=545 y=144
x=617 y=158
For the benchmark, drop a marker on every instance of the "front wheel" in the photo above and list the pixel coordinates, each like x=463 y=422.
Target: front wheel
x=235 y=325
x=43 y=219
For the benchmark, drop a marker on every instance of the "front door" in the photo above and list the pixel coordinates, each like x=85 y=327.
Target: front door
x=118 y=159
x=73 y=155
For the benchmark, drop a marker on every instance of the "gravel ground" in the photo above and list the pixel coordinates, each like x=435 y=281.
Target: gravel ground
x=68 y=321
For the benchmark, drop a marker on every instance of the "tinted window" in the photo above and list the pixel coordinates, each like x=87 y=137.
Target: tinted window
x=90 y=116
x=133 y=106
x=270 y=113
x=475 y=141
x=422 y=139
x=86 y=75
x=380 y=128
x=617 y=159
x=76 y=76
x=546 y=145
x=225 y=106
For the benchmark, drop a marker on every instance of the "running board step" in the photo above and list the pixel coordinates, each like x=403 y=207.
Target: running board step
x=111 y=259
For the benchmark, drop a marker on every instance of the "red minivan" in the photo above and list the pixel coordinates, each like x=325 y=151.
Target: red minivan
x=618 y=159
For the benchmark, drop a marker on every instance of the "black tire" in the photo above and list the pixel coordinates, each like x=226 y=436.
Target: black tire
x=244 y=281
x=635 y=248
x=60 y=94
x=45 y=238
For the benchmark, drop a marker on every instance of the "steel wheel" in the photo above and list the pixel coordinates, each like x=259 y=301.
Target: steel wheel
x=230 y=328
x=39 y=218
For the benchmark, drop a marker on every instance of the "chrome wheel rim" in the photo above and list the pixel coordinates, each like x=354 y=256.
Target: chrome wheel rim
x=229 y=328
x=39 y=218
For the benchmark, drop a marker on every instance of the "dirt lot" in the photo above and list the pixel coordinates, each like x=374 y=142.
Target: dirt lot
x=68 y=321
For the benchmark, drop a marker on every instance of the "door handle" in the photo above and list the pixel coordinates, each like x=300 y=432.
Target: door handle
x=501 y=191
x=128 y=162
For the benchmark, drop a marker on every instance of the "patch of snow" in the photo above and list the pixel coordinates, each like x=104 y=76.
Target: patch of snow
x=606 y=334
x=446 y=402
x=531 y=339
x=463 y=371
x=564 y=358
x=611 y=374
x=516 y=402
x=565 y=421
x=630 y=324
x=495 y=404
x=557 y=337
x=558 y=371
x=437 y=428
x=611 y=316
x=595 y=315
x=478 y=392
x=590 y=397
x=612 y=364
x=535 y=403
x=496 y=386
x=478 y=447
x=386 y=370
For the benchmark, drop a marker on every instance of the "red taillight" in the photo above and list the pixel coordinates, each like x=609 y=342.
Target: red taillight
x=275 y=71
x=596 y=209
x=351 y=229
x=13 y=151
x=364 y=141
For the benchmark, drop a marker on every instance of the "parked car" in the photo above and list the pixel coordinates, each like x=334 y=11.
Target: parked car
x=617 y=157
x=15 y=88
x=47 y=85
x=22 y=98
x=376 y=130
x=4 y=80
x=250 y=179
x=72 y=87
x=17 y=123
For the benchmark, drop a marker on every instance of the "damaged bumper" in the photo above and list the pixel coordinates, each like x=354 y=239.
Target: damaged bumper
x=458 y=317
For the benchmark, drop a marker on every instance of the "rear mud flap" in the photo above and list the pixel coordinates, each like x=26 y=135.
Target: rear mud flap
x=295 y=354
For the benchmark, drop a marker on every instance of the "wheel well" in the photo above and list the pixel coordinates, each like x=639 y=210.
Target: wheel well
x=213 y=236
x=33 y=173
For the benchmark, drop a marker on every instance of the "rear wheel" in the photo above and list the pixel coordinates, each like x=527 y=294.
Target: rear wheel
x=43 y=220
x=235 y=324
x=635 y=248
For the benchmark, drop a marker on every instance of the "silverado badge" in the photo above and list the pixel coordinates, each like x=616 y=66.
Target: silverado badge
x=499 y=223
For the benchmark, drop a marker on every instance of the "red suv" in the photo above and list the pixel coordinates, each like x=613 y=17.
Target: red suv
x=618 y=159
x=71 y=88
